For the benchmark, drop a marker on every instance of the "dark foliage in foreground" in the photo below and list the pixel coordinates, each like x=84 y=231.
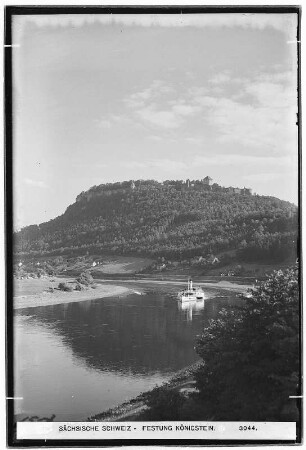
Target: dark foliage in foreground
x=164 y=404
x=166 y=220
x=251 y=356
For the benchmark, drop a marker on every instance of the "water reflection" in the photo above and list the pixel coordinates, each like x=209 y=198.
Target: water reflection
x=135 y=334
x=138 y=335
x=85 y=357
x=190 y=307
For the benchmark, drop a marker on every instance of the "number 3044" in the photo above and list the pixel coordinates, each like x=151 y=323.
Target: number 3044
x=247 y=428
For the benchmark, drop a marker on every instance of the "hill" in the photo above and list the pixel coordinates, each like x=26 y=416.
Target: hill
x=173 y=219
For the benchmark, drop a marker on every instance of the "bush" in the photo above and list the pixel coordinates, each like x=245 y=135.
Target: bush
x=85 y=278
x=79 y=287
x=65 y=287
x=165 y=404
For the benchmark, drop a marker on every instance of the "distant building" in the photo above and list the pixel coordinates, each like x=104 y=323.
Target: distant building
x=132 y=185
x=207 y=180
x=235 y=190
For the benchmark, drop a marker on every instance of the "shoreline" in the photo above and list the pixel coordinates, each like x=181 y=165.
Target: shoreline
x=226 y=285
x=58 y=297
x=130 y=409
x=39 y=295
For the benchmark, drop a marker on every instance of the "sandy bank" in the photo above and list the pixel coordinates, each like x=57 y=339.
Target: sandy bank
x=57 y=297
x=227 y=285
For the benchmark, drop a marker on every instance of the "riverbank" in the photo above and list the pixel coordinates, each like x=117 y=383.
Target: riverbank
x=30 y=293
x=148 y=282
x=36 y=292
x=133 y=408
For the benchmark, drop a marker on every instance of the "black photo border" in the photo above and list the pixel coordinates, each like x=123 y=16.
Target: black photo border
x=9 y=12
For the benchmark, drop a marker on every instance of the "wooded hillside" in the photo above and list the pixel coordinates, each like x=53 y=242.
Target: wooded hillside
x=163 y=219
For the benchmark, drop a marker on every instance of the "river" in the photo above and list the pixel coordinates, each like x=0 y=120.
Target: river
x=75 y=360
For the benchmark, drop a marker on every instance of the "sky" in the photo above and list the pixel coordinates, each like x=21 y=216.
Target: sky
x=106 y=98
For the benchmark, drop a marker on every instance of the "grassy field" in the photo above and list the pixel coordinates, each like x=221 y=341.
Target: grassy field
x=32 y=286
x=123 y=264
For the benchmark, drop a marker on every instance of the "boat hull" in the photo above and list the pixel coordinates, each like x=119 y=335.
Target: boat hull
x=191 y=293
x=191 y=297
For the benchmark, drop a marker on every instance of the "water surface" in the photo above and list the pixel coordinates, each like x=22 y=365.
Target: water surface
x=78 y=359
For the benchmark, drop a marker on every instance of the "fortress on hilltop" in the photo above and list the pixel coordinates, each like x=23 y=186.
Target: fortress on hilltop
x=205 y=185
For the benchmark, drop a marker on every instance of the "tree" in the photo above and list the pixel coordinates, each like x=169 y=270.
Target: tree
x=85 y=278
x=251 y=355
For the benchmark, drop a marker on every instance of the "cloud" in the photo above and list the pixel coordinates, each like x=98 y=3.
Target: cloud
x=159 y=118
x=159 y=106
x=109 y=120
x=133 y=164
x=104 y=123
x=36 y=183
x=259 y=164
x=166 y=165
x=154 y=106
x=194 y=140
x=238 y=159
x=257 y=113
x=220 y=78
x=182 y=109
x=262 y=177
x=153 y=137
x=156 y=90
